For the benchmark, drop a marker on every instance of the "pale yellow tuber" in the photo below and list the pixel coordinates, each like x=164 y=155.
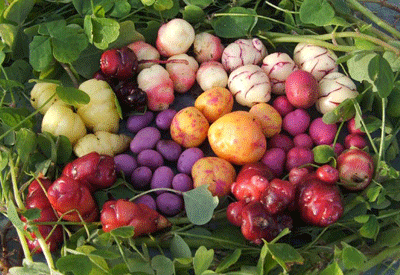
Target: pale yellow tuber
x=42 y=92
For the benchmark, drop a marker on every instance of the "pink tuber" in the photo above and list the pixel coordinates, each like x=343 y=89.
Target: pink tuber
x=211 y=74
x=182 y=72
x=207 y=47
x=144 y=52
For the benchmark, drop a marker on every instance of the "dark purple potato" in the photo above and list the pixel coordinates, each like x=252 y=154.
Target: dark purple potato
x=137 y=122
x=146 y=138
x=169 y=204
x=147 y=200
x=275 y=159
x=131 y=97
x=125 y=163
x=182 y=182
x=162 y=178
x=164 y=119
x=169 y=149
x=296 y=122
x=141 y=177
x=188 y=158
x=150 y=158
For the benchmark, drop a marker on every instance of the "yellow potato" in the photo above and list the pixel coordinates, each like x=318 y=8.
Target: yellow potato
x=270 y=119
x=218 y=173
x=238 y=138
x=215 y=103
x=189 y=127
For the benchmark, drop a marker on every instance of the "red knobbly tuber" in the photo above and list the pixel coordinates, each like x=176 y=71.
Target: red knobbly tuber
x=118 y=213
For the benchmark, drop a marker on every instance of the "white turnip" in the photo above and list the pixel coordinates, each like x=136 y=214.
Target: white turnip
x=182 y=72
x=207 y=47
x=211 y=74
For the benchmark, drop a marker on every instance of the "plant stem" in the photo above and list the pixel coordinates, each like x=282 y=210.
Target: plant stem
x=70 y=74
x=382 y=141
x=391 y=252
x=17 y=197
x=24 y=245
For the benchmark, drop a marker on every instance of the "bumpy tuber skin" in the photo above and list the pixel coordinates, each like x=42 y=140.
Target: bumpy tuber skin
x=41 y=92
x=144 y=52
x=278 y=67
x=61 y=120
x=102 y=142
x=118 y=213
x=316 y=60
x=72 y=199
x=182 y=70
x=100 y=114
x=175 y=37
x=158 y=86
x=207 y=47
x=250 y=85
x=211 y=74
x=334 y=88
x=98 y=170
x=243 y=52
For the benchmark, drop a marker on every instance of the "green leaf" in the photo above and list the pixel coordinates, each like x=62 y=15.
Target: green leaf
x=120 y=9
x=162 y=5
x=127 y=35
x=30 y=268
x=7 y=84
x=344 y=111
x=200 y=204
x=373 y=192
x=88 y=62
x=99 y=264
x=68 y=44
x=18 y=10
x=20 y=71
x=77 y=264
x=341 y=6
x=332 y=269
x=381 y=74
x=101 y=31
x=64 y=149
x=239 y=24
x=393 y=59
x=317 y=12
x=72 y=96
x=8 y=33
x=358 y=65
x=370 y=229
x=32 y=214
x=262 y=259
x=200 y=3
x=229 y=261
x=179 y=248
x=40 y=55
x=13 y=216
x=193 y=14
x=389 y=238
x=124 y=232
x=3 y=160
x=323 y=153
x=148 y=2
x=352 y=257
x=162 y=265
x=285 y=254
x=106 y=254
x=13 y=116
x=202 y=259
x=47 y=144
x=25 y=143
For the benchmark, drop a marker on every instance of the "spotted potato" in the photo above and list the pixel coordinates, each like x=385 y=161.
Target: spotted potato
x=215 y=103
x=270 y=119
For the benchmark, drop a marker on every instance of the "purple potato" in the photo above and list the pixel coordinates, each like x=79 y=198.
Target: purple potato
x=169 y=149
x=281 y=141
x=162 y=178
x=141 y=177
x=188 y=158
x=164 y=119
x=296 y=122
x=125 y=163
x=150 y=158
x=137 y=122
x=182 y=182
x=169 y=204
x=146 y=138
x=147 y=200
x=275 y=159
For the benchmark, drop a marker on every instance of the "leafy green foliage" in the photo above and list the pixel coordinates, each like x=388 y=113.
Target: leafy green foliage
x=319 y=12
x=237 y=23
x=200 y=204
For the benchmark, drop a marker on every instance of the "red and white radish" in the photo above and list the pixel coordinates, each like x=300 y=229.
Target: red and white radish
x=207 y=47
x=211 y=74
x=250 y=85
x=278 y=67
x=144 y=52
x=182 y=72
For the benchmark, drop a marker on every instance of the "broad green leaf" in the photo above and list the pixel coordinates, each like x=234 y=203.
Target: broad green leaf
x=106 y=254
x=68 y=45
x=15 y=116
x=352 y=257
x=200 y=204
x=18 y=10
x=77 y=264
x=381 y=74
x=120 y=9
x=193 y=14
x=317 y=12
x=99 y=264
x=72 y=96
x=4 y=158
x=373 y=192
x=8 y=84
x=370 y=229
x=20 y=71
x=332 y=269
x=202 y=259
x=323 y=154
x=13 y=216
x=179 y=248
x=344 y=111
x=101 y=31
x=8 y=34
x=123 y=232
x=229 y=261
x=393 y=102
x=162 y=5
x=200 y=3
x=30 y=268
x=32 y=214
x=393 y=59
x=148 y=2
x=340 y=6
x=389 y=238
x=40 y=55
x=47 y=145
x=285 y=254
x=238 y=22
x=263 y=258
x=358 y=65
x=162 y=265
x=25 y=143
x=64 y=149
x=88 y=62
x=127 y=34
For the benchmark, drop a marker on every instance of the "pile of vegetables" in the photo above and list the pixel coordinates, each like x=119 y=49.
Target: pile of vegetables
x=198 y=137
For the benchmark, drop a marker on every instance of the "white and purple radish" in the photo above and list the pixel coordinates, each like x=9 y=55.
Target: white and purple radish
x=182 y=70
x=278 y=67
x=158 y=86
x=317 y=60
x=207 y=47
x=211 y=74
x=250 y=85
x=175 y=37
x=334 y=88
x=145 y=53
x=243 y=52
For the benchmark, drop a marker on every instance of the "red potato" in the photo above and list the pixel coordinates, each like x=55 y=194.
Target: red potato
x=182 y=70
x=37 y=185
x=207 y=47
x=249 y=189
x=158 y=86
x=175 y=37
x=234 y=212
x=351 y=127
x=301 y=89
x=327 y=174
x=211 y=74
x=296 y=122
x=72 y=200
x=297 y=175
x=118 y=213
x=99 y=171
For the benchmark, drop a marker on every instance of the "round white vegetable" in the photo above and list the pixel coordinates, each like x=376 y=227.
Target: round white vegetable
x=175 y=37
x=316 y=60
x=100 y=114
x=41 y=92
x=61 y=120
x=243 y=52
x=334 y=88
x=182 y=72
x=250 y=85
x=207 y=47
x=144 y=51
x=278 y=67
x=211 y=74
x=103 y=143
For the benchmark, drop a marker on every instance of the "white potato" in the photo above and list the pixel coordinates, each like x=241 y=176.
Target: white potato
x=41 y=92
x=61 y=120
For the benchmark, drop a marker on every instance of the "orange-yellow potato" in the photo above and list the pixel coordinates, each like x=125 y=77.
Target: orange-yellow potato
x=189 y=127
x=215 y=103
x=217 y=172
x=270 y=119
x=238 y=138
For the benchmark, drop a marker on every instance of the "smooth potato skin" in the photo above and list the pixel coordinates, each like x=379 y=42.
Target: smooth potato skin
x=215 y=103
x=217 y=172
x=189 y=127
x=238 y=138
x=270 y=119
